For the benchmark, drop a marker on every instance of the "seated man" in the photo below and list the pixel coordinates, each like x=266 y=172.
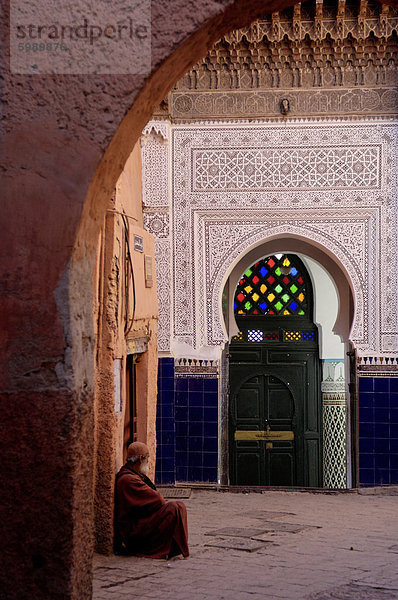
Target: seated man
x=145 y=524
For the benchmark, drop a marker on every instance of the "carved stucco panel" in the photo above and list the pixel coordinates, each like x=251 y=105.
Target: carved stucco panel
x=163 y=279
x=357 y=222
x=155 y=163
x=252 y=229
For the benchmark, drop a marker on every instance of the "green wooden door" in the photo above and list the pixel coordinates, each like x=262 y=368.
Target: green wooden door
x=275 y=388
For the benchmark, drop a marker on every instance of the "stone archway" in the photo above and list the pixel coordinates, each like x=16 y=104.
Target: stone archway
x=62 y=155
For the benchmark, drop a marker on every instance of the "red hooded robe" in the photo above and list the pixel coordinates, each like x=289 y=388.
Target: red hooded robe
x=147 y=525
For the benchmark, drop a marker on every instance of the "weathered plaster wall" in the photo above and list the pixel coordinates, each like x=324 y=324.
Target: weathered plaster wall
x=127 y=310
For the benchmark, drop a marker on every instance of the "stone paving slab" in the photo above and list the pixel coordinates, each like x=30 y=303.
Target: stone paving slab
x=267 y=514
x=356 y=592
x=246 y=545
x=245 y=532
x=347 y=545
x=269 y=527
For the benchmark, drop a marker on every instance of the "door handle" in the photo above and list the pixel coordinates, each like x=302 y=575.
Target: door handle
x=268 y=436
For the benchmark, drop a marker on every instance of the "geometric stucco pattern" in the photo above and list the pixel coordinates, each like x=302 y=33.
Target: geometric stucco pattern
x=330 y=183
x=288 y=168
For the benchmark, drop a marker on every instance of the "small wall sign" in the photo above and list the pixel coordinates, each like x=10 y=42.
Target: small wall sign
x=148 y=271
x=138 y=243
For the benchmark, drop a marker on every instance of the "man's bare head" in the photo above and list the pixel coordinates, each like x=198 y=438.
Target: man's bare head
x=137 y=456
x=137 y=449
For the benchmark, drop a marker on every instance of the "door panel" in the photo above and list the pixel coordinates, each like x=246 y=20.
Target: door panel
x=282 y=468
x=248 y=465
x=280 y=404
x=248 y=403
x=264 y=404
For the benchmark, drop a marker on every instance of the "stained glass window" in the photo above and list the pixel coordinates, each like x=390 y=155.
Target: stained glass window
x=275 y=285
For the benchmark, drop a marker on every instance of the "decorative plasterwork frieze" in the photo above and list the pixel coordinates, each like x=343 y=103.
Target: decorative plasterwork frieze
x=191 y=105
x=289 y=168
x=186 y=367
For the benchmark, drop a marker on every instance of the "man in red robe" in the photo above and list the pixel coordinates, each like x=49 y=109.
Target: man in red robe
x=145 y=524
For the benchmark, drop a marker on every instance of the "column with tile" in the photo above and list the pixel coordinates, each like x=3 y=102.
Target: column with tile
x=334 y=409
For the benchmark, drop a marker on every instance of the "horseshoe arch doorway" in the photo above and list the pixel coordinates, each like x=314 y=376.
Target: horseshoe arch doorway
x=275 y=411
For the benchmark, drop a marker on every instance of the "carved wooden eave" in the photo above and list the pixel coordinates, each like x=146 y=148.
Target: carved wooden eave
x=314 y=59
x=319 y=20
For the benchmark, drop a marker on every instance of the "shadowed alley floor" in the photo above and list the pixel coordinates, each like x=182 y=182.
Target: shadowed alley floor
x=282 y=545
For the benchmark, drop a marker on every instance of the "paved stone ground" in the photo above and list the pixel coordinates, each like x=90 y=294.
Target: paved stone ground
x=341 y=546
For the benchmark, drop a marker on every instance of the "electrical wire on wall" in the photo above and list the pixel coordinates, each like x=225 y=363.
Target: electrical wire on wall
x=127 y=327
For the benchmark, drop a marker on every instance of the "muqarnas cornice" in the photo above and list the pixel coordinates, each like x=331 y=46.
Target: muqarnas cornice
x=308 y=60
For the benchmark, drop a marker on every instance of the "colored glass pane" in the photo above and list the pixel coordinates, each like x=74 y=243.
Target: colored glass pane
x=308 y=336
x=264 y=283
x=254 y=335
x=271 y=335
x=292 y=336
